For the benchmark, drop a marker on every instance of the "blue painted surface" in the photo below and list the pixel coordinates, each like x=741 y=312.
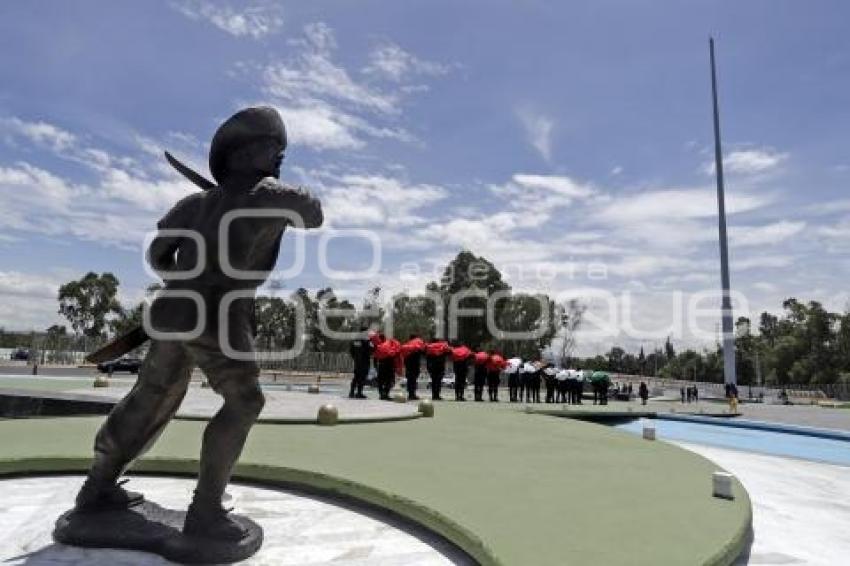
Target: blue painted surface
x=775 y=443
x=762 y=425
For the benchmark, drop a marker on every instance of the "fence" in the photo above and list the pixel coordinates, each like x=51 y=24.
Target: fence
x=329 y=362
x=811 y=392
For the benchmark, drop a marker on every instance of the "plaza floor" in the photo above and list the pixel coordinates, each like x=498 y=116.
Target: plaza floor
x=299 y=529
x=281 y=406
x=801 y=509
x=505 y=486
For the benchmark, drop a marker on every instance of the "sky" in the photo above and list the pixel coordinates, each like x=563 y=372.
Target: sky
x=569 y=143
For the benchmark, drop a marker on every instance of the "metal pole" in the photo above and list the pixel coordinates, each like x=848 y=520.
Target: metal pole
x=726 y=308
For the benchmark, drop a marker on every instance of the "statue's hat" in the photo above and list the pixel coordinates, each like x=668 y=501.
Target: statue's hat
x=246 y=126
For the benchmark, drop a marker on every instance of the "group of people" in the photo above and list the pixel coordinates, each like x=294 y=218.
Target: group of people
x=689 y=394
x=526 y=378
x=391 y=358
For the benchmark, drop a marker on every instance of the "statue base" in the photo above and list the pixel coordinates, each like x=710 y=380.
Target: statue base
x=147 y=527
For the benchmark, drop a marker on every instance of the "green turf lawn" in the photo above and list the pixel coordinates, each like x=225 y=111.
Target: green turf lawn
x=510 y=488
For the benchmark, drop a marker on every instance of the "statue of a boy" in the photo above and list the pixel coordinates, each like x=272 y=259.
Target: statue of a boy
x=245 y=158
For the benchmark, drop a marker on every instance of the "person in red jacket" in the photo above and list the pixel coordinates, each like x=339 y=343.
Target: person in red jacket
x=461 y=355
x=480 y=375
x=436 y=353
x=388 y=359
x=411 y=353
x=495 y=365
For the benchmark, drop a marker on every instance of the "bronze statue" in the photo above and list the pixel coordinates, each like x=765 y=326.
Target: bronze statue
x=245 y=158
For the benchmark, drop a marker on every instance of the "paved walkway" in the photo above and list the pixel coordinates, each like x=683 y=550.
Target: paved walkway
x=801 y=509
x=804 y=415
x=297 y=529
x=281 y=406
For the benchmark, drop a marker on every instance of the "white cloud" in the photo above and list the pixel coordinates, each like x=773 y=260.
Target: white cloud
x=761 y=262
x=748 y=161
x=324 y=104
x=390 y=61
x=314 y=75
x=829 y=207
x=556 y=183
x=40 y=133
x=116 y=207
x=254 y=20
x=836 y=237
x=676 y=204
x=377 y=201
x=17 y=284
x=538 y=131
x=765 y=287
x=321 y=127
x=767 y=234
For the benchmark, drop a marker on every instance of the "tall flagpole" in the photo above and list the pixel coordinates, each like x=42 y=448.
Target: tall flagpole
x=726 y=308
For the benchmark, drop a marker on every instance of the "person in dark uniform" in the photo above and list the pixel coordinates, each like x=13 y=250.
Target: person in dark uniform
x=361 y=353
x=387 y=359
x=480 y=376
x=604 y=384
x=643 y=393
x=412 y=351
x=435 y=360
x=549 y=372
x=521 y=379
x=461 y=356
x=536 y=382
x=495 y=365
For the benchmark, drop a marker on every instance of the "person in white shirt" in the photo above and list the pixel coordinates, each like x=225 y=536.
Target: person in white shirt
x=513 y=371
x=562 y=378
x=529 y=375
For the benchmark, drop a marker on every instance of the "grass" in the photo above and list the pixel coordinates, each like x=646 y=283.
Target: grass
x=509 y=487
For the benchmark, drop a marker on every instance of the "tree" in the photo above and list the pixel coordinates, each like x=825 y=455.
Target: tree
x=89 y=302
x=745 y=351
x=275 y=320
x=413 y=314
x=641 y=360
x=615 y=359
x=468 y=272
x=669 y=351
x=768 y=328
x=336 y=318
x=532 y=316
x=571 y=316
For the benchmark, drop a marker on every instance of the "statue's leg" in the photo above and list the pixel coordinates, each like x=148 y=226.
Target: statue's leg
x=224 y=438
x=136 y=422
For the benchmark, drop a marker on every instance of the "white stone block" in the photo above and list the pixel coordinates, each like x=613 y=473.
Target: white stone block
x=649 y=432
x=722 y=485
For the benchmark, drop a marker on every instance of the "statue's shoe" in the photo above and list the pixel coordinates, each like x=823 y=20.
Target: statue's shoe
x=212 y=522
x=93 y=497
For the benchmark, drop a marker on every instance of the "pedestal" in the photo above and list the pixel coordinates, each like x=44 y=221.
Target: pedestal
x=149 y=527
